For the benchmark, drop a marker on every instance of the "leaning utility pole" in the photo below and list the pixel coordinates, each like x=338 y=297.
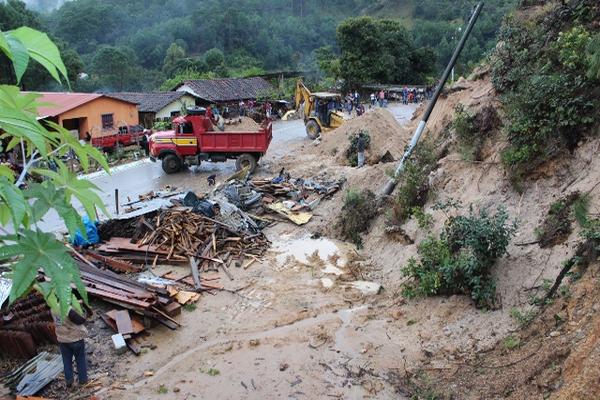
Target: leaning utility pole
x=391 y=185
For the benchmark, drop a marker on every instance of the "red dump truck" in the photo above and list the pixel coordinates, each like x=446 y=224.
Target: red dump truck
x=194 y=139
x=124 y=136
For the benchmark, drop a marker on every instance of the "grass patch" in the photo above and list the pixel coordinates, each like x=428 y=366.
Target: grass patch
x=511 y=342
x=189 y=307
x=162 y=389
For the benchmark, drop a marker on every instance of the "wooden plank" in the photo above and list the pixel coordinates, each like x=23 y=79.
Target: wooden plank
x=121 y=299
x=124 y=325
x=195 y=273
x=138 y=327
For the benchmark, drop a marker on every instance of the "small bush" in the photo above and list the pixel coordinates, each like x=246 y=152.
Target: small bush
x=523 y=319
x=413 y=187
x=424 y=220
x=511 y=342
x=352 y=152
x=358 y=211
x=466 y=133
x=459 y=261
x=557 y=226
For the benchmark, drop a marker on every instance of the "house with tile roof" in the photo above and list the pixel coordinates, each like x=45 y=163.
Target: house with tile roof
x=157 y=105
x=226 y=90
x=83 y=113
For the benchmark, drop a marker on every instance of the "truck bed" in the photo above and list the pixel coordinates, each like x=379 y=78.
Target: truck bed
x=237 y=142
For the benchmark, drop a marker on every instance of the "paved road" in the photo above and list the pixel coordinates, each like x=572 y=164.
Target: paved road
x=143 y=176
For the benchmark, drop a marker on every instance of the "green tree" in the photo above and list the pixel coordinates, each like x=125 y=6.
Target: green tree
x=380 y=51
x=23 y=245
x=116 y=68
x=214 y=59
x=175 y=54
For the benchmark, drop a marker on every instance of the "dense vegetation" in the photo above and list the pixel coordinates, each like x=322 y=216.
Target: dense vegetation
x=460 y=259
x=140 y=44
x=547 y=71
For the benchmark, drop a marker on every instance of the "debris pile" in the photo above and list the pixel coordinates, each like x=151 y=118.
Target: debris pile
x=26 y=326
x=34 y=375
x=387 y=138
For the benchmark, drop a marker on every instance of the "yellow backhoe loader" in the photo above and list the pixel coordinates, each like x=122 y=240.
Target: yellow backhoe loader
x=320 y=110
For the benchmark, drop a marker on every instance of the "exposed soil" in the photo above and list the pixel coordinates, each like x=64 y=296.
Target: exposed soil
x=385 y=133
x=294 y=326
x=241 y=124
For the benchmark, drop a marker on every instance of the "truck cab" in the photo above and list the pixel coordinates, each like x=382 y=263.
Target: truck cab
x=194 y=139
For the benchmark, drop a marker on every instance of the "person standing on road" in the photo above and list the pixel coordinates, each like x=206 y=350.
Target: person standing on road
x=381 y=97
x=71 y=334
x=361 y=144
x=405 y=95
x=373 y=99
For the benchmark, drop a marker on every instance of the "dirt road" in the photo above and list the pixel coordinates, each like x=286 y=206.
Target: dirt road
x=291 y=327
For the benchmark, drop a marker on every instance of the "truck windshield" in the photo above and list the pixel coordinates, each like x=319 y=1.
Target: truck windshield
x=185 y=128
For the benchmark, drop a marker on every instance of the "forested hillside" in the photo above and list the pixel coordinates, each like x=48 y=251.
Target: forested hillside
x=140 y=44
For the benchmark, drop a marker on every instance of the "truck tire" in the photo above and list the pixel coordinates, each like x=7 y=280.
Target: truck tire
x=313 y=130
x=171 y=164
x=245 y=160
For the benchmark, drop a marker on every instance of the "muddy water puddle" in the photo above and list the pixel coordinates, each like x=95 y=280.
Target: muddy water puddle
x=329 y=255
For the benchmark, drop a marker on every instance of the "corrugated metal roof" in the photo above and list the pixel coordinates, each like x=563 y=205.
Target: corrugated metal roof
x=149 y=102
x=61 y=102
x=228 y=89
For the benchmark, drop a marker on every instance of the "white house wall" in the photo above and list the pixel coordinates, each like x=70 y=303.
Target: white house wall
x=189 y=101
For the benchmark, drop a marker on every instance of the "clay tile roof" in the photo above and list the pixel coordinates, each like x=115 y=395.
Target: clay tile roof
x=61 y=102
x=228 y=89
x=148 y=102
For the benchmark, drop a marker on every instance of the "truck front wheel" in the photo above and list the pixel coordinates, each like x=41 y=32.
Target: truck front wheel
x=313 y=130
x=246 y=161
x=171 y=164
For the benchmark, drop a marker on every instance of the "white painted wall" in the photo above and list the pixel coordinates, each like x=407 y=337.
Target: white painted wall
x=188 y=100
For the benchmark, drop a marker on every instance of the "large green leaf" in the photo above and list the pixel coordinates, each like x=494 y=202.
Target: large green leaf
x=47 y=196
x=4 y=47
x=82 y=189
x=19 y=53
x=43 y=50
x=35 y=250
x=14 y=199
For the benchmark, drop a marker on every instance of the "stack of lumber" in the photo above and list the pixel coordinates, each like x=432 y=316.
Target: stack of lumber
x=147 y=301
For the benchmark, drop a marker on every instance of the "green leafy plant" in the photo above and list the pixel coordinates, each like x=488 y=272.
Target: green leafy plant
x=546 y=86
x=472 y=129
x=522 y=318
x=413 y=186
x=358 y=211
x=190 y=307
x=23 y=203
x=424 y=220
x=460 y=260
x=556 y=226
x=162 y=389
x=352 y=152
x=511 y=342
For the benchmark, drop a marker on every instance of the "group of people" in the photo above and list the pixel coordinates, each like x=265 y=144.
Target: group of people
x=352 y=102
x=380 y=98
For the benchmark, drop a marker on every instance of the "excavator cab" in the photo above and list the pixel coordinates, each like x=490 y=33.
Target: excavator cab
x=321 y=111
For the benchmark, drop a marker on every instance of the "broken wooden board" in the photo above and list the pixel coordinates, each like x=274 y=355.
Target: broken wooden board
x=185 y=297
x=137 y=325
x=124 y=324
x=298 y=218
